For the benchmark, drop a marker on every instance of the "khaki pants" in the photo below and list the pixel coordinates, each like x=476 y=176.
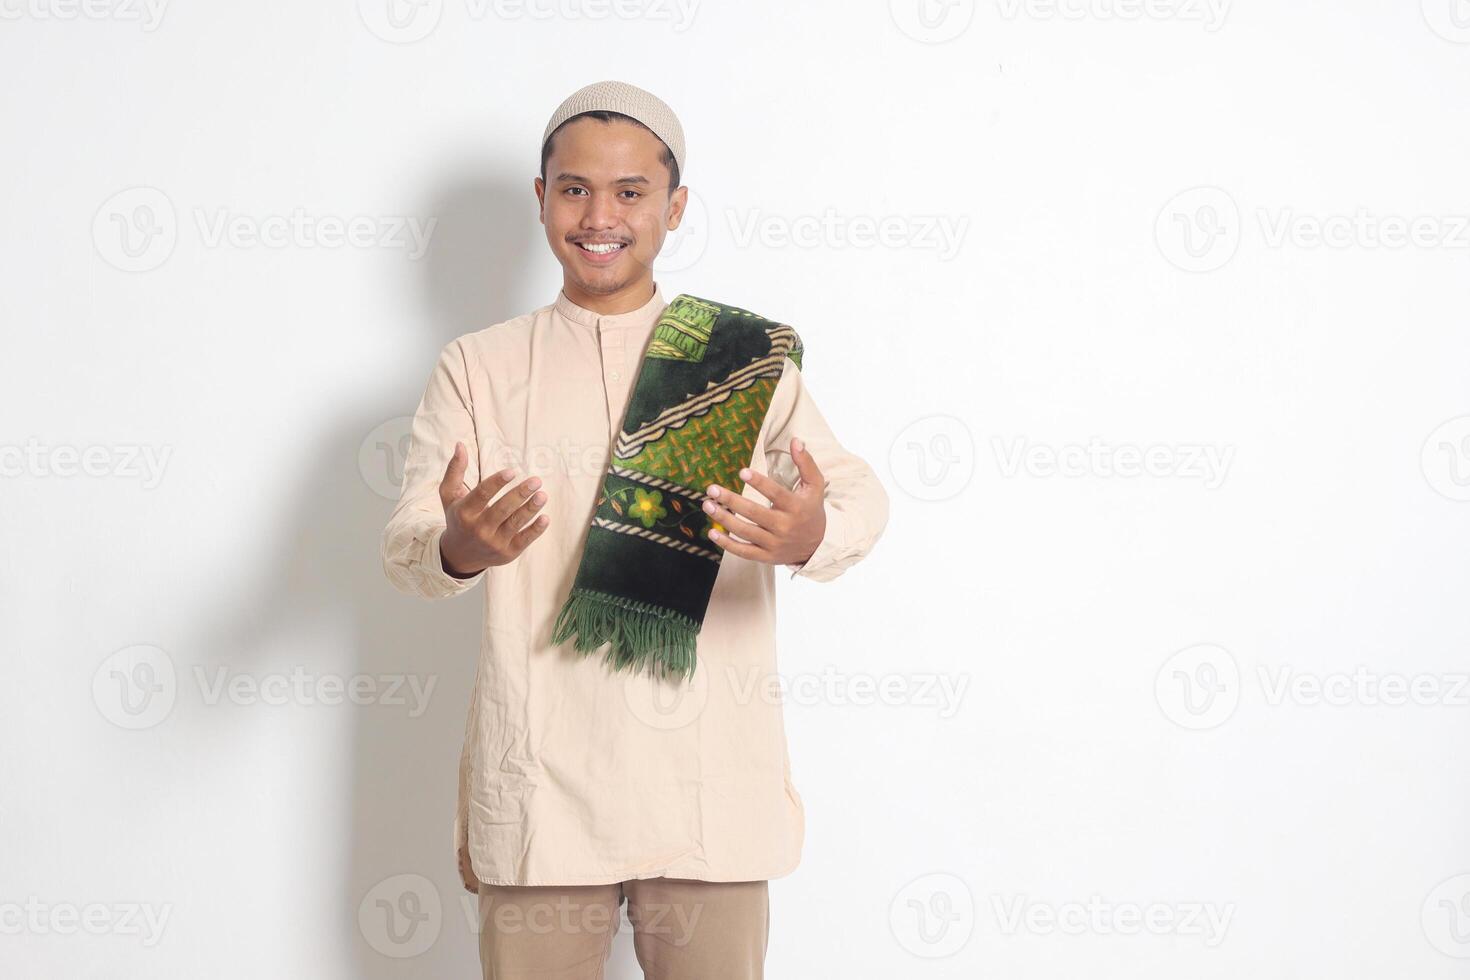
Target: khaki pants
x=682 y=929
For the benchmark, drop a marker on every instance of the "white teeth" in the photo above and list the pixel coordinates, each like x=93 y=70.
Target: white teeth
x=601 y=249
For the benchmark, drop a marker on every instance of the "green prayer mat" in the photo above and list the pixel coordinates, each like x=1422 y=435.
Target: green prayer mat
x=648 y=567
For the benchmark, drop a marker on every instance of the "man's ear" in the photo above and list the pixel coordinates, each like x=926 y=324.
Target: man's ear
x=539 y=186
x=677 y=202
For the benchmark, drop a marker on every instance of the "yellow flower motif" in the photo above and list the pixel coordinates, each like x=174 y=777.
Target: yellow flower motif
x=646 y=507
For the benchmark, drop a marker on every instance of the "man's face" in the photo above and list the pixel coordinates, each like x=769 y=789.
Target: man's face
x=606 y=185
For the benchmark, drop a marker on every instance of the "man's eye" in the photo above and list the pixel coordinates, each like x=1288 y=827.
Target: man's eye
x=576 y=190
x=634 y=193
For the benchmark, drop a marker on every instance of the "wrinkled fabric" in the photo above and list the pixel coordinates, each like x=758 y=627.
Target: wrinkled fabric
x=570 y=773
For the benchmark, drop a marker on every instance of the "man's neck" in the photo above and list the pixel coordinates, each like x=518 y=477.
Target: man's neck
x=625 y=300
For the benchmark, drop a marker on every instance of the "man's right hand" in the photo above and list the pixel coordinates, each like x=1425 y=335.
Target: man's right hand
x=476 y=536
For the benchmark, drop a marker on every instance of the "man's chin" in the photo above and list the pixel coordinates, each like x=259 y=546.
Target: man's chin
x=605 y=282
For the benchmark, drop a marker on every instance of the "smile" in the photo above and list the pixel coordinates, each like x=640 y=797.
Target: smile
x=604 y=248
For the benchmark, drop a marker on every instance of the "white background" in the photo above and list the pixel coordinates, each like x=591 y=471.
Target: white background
x=1182 y=693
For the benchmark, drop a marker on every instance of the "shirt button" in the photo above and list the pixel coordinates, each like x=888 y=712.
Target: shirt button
x=616 y=376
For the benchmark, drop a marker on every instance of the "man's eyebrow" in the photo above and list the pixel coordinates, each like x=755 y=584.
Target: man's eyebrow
x=578 y=179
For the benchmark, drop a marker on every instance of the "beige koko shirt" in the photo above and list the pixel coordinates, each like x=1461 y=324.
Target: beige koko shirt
x=570 y=773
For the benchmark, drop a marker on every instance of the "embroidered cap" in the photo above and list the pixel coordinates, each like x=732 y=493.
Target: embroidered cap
x=630 y=100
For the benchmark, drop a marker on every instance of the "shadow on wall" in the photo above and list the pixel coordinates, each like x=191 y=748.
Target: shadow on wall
x=404 y=769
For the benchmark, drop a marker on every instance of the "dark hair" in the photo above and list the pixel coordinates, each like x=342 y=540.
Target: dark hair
x=607 y=115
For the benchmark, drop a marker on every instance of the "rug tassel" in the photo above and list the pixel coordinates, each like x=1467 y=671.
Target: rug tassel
x=641 y=636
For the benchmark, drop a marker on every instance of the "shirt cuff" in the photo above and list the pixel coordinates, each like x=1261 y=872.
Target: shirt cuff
x=440 y=581
x=827 y=551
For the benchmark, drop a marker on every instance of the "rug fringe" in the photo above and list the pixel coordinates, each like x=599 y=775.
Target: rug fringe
x=642 y=635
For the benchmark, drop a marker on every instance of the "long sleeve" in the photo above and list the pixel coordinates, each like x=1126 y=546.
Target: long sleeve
x=856 y=504
x=410 y=545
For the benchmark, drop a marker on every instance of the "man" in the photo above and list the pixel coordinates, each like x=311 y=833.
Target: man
x=580 y=784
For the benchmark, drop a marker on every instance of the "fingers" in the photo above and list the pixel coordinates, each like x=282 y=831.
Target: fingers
x=515 y=517
x=527 y=534
x=487 y=488
x=467 y=872
x=780 y=497
x=806 y=465
x=452 y=487
x=753 y=552
x=754 y=522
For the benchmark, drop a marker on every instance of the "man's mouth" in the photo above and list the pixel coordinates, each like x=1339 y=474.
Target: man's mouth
x=602 y=248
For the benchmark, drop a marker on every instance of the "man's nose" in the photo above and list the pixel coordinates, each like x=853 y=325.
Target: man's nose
x=600 y=213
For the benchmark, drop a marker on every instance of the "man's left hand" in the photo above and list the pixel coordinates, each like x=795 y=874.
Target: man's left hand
x=788 y=530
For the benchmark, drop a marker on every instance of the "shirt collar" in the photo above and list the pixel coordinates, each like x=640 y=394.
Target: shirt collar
x=590 y=318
